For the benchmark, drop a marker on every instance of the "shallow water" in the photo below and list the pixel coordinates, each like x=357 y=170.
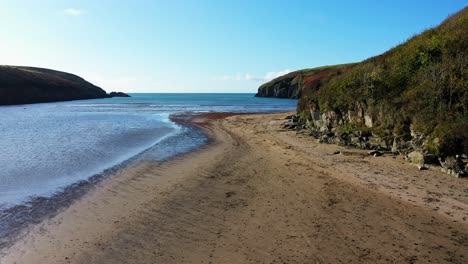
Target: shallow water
x=46 y=147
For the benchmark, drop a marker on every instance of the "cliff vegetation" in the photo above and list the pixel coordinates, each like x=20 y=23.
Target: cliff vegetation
x=414 y=96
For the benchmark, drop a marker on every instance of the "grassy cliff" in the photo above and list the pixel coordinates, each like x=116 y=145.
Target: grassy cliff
x=417 y=89
x=25 y=85
x=296 y=84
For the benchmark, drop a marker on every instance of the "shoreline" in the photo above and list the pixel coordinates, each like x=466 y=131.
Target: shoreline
x=17 y=219
x=258 y=193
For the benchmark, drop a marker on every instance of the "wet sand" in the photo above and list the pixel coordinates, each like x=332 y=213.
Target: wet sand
x=259 y=194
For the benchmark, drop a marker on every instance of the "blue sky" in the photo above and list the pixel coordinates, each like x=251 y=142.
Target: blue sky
x=204 y=46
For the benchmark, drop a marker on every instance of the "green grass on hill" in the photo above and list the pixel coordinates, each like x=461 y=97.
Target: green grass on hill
x=421 y=85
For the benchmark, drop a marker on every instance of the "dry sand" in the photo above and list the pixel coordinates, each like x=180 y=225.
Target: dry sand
x=259 y=194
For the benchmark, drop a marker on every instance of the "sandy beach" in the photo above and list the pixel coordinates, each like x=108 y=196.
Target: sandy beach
x=259 y=194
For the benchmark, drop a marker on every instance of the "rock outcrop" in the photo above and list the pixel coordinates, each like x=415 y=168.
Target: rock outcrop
x=296 y=84
x=118 y=94
x=289 y=86
x=331 y=129
x=26 y=85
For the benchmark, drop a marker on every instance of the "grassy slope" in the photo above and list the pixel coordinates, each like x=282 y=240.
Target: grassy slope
x=307 y=80
x=297 y=74
x=421 y=85
x=22 y=85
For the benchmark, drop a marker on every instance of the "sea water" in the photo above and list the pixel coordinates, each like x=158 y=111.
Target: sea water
x=47 y=147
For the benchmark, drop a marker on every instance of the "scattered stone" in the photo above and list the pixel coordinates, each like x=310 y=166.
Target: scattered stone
x=294 y=123
x=422 y=167
x=229 y=194
x=453 y=166
x=323 y=139
x=375 y=153
x=328 y=128
x=365 y=133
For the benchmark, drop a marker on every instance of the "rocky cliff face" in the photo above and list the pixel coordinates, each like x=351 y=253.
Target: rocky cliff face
x=412 y=97
x=297 y=84
x=26 y=85
x=288 y=86
x=417 y=88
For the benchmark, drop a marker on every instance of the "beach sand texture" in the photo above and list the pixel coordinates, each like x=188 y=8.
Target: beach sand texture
x=259 y=194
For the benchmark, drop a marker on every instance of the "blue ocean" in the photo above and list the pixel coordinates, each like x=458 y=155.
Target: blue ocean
x=46 y=147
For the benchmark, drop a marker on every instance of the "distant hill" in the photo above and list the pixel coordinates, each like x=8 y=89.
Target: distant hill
x=295 y=84
x=418 y=89
x=26 y=85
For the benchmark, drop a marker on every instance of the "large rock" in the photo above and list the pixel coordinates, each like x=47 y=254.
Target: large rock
x=379 y=143
x=399 y=144
x=368 y=121
x=420 y=159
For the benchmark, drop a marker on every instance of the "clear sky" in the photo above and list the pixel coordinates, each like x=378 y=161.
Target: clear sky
x=204 y=46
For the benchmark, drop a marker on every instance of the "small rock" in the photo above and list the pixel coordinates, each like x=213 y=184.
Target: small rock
x=422 y=167
x=364 y=133
x=336 y=152
x=375 y=153
x=229 y=194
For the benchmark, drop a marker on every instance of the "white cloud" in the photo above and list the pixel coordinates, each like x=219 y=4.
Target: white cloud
x=249 y=77
x=73 y=11
x=272 y=75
